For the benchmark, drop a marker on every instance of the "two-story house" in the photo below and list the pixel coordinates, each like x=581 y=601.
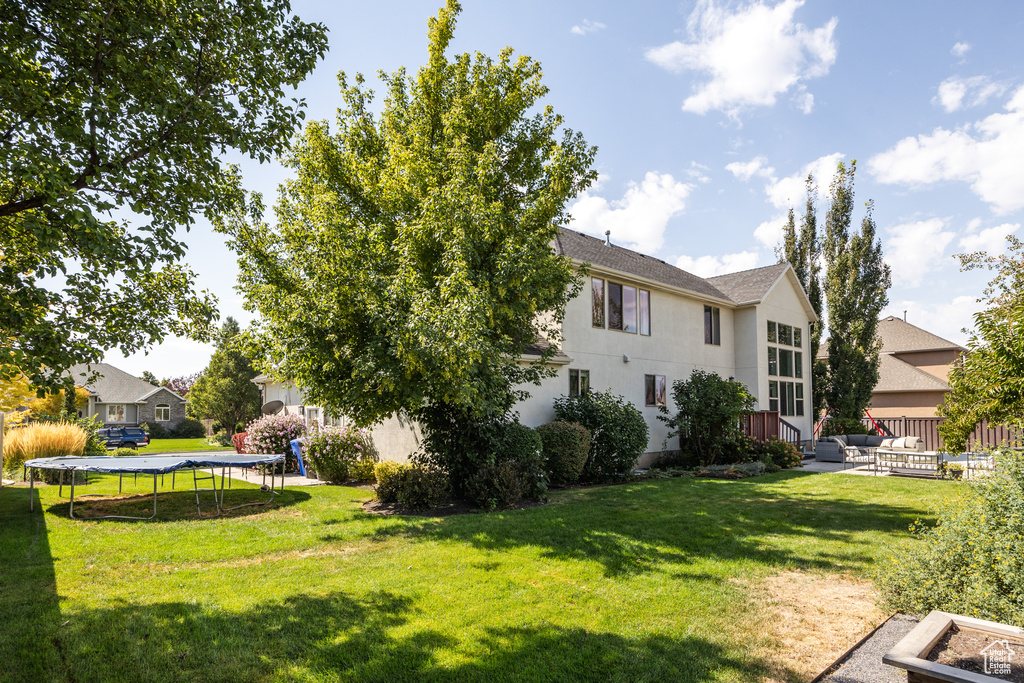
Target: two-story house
x=639 y=325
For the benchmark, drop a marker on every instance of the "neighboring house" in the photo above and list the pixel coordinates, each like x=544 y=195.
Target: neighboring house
x=641 y=324
x=913 y=369
x=119 y=399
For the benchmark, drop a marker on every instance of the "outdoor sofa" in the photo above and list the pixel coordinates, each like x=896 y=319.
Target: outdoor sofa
x=854 y=448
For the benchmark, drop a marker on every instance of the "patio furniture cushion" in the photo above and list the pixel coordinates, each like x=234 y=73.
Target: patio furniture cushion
x=886 y=443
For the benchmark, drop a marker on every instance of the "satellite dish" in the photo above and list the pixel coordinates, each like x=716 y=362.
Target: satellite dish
x=272 y=407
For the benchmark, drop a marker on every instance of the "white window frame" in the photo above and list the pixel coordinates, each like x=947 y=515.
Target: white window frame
x=165 y=410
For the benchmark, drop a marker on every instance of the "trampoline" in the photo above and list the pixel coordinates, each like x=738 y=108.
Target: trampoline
x=158 y=465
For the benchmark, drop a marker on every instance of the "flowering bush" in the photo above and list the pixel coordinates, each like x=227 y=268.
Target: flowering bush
x=273 y=434
x=972 y=561
x=340 y=453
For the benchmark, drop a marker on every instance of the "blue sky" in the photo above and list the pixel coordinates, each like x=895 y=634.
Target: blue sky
x=708 y=115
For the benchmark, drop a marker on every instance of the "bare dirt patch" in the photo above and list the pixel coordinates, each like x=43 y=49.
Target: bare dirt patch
x=965 y=649
x=814 y=619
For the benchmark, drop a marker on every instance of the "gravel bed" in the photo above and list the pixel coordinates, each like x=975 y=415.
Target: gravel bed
x=864 y=664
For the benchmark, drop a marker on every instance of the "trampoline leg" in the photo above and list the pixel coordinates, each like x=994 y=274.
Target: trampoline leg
x=60 y=489
x=154 y=495
x=120 y=480
x=172 y=478
x=32 y=490
x=71 y=510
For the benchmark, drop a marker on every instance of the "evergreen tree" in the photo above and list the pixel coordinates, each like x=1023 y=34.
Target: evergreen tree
x=148 y=376
x=855 y=288
x=225 y=391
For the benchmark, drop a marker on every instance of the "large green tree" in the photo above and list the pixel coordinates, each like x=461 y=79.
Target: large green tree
x=802 y=249
x=856 y=288
x=114 y=116
x=411 y=262
x=224 y=391
x=988 y=382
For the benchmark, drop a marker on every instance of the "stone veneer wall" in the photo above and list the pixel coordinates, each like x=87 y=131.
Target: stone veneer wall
x=147 y=410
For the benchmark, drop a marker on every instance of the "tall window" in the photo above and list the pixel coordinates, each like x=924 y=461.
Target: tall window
x=579 y=382
x=115 y=413
x=786 y=397
x=773 y=360
x=629 y=308
x=614 y=306
x=162 y=413
x=712 y=325
x=773 y=396
x=597 y=287
x=655 y=390
x=785 y=363
x=645 y=312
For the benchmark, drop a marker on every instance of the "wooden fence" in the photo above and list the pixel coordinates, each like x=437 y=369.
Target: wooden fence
x=927 y=428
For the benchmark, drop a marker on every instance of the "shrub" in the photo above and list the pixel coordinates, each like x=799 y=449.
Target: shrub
x=781 y=454
x=238 y=441
x=273 y=434
x=501 y=485
x=617 y=429
x=221 y=440
x=388 y=475
x=834 y=426
x=124 y=453
x=189 y=428
x=155 y=431
x=565 y=449
x=414 y=487
x=216 y=427
x=709 y=410
x=457 y=443
x=336 y=452
x=972 y=561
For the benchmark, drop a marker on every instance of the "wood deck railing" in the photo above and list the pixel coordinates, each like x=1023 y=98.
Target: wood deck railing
x=927 y=428
x=767 y=424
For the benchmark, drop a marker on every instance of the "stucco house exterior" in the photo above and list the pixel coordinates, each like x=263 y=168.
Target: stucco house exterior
x=913 y=370
x=639 y=325
x=119 y=399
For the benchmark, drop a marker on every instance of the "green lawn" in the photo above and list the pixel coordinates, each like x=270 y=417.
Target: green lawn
x=628 y=583
x=180 y=446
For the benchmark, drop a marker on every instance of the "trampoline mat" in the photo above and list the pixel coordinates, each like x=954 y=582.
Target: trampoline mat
x=155 y=464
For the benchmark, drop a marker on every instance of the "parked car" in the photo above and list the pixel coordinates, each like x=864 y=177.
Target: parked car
x=123 y=437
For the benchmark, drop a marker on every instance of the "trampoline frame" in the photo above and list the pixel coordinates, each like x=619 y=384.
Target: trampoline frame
x=193 y=465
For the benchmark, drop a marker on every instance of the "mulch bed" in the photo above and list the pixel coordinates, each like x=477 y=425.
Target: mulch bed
x=962 y=648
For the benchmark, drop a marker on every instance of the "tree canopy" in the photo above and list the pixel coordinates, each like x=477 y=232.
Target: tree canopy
x=113 y=118
x=988 y=382
x=224 y=391
x=411 y=263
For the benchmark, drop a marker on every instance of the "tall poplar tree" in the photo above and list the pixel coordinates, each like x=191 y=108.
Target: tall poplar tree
x=803 y=251
x=224 y=391
x=856 y=283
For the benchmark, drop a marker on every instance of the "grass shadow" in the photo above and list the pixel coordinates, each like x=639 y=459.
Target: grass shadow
x=636 y=528
x=343 y=637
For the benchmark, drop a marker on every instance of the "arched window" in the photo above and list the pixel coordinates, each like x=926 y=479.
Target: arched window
x=163 y=412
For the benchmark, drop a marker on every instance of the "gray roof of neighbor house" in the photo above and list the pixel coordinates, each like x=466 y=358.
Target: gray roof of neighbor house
x=896 y=375
x=592 y=250
x=749 y=286
x=898 y=336
x=113 y=385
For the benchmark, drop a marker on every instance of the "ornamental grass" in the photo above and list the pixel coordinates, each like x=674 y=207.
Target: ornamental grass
x=42 y=440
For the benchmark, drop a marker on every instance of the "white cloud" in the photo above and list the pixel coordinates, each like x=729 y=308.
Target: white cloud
x=758 y=166
x=791 y=191
x=985 y=154
x=915 y=249
x=960 y=49
x=954 y=91
x=586 y=27
x=750 y=56
x=991 y=240
x=769 y=233
x=708 y=266
x=638 y=220
x=947 y=320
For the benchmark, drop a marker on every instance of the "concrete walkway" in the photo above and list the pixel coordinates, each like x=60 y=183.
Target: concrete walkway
x=828 y=467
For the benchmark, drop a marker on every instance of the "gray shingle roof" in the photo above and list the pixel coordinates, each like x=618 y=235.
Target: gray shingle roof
x=592 y=250
x=113 y=385
x=897 y=375
x=539 y=346
x=748 y=286
x=898 y=336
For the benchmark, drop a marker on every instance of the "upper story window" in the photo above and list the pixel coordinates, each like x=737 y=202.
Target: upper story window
x=628 y=307
x=579 y=382
x=162 y=412
x=785 y=362
x=713 y=325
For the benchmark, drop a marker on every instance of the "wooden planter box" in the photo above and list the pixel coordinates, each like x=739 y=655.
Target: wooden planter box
x=911 y=653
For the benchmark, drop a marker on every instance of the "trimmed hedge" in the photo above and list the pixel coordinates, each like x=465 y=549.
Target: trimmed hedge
x=618 y=432
x=565 y=449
